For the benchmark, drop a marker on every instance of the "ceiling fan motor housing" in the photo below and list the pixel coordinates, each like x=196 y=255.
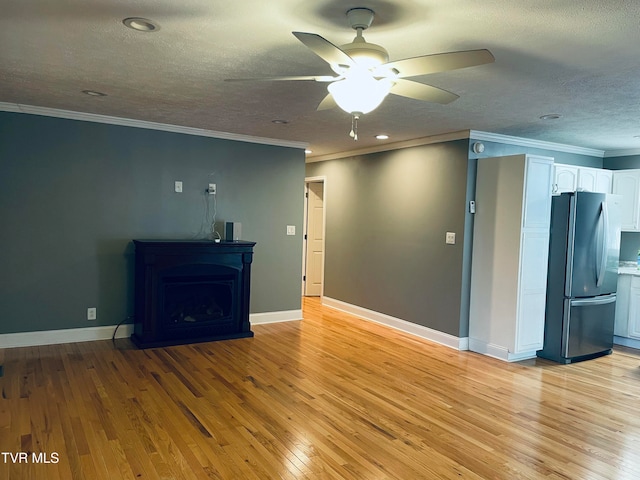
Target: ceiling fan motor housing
x=365 y=52
x=360 y=18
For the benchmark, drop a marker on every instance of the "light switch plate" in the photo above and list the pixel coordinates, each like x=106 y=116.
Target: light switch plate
x=450 y=238
x=177 y=186
x=291 y=229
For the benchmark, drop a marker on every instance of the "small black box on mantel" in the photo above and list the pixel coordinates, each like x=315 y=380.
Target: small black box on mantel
x=232 y=231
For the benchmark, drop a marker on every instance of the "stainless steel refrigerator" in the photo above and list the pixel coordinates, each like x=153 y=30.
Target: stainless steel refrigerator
x=584 y=248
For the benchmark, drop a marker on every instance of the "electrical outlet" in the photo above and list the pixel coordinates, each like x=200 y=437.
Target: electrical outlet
x=177 y=186
x=291 y=229
x=450 y=238
x=91 y=313
x=212 y=189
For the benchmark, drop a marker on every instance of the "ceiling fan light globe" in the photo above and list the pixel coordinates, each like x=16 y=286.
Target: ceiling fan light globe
x=359 y=93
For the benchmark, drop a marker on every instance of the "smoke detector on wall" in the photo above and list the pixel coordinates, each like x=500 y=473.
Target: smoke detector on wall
x=478 y=147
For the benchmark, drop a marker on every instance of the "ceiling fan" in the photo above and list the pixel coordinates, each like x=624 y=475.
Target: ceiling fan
x=364 y=76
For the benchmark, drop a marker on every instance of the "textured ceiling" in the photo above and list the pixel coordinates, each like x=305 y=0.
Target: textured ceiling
x=579 y=59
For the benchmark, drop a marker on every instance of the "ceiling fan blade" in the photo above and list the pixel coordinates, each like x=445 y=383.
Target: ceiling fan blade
x=324 y=49
x=420 y=91
x=327 y=103
x=317 y=78
x=440 y=62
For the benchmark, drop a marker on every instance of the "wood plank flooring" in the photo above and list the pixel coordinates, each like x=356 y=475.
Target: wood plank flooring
x=329 y=397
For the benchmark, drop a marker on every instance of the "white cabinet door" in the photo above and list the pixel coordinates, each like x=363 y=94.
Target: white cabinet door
x=621 y=328
x=537 y=194
x=595 y=180
x=565 y=178
x=604 y=181
x=587 y=179
x=634 y=308
x=532 y=292
x=627 y=184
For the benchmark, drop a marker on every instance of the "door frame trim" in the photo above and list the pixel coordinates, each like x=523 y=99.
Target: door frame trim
x=316 y=179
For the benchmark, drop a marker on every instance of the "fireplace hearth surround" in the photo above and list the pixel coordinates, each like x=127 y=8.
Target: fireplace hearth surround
x=189 y=291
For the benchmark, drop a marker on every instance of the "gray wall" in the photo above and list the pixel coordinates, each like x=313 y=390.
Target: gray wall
x=387 y=215
x=73 y=195
x=622 y=163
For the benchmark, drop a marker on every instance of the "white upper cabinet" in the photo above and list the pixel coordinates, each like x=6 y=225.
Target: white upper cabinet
x=627 y=184
x=595 y=180
x=569 y=178
x=565 y=178
x=587 y=179
x=604 y=181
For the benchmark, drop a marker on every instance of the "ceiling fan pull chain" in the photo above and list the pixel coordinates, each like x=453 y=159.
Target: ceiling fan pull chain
x=354 y=126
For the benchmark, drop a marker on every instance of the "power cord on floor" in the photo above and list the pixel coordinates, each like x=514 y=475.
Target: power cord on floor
x=113 y=338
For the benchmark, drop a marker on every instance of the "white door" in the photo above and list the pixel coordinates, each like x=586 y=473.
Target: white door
x=314 y=238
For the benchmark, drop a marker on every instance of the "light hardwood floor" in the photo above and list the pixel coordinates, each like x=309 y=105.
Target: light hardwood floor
x=331 y=396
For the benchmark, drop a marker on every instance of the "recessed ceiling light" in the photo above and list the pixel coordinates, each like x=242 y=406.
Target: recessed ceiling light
x=141 y=24
x=280 y=122
x=550 y=116
x=382 y=137
x=93 y=93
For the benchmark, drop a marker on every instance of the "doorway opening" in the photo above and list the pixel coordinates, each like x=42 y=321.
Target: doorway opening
x=314 y=236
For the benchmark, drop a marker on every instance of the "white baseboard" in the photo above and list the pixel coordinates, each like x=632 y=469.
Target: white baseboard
x=408 y=327
x=496 y=351
x=89 y=334
x=627 y=342
x=69 y=335
x=275 y=317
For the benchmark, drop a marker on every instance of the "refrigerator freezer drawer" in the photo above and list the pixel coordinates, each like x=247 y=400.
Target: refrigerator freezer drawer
x=588 y=326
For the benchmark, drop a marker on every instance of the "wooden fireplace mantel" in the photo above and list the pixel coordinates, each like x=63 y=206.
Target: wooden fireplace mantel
x=159 y=263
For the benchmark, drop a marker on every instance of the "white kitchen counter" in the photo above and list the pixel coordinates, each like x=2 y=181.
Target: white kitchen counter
x=628 y=268
x=628 y=271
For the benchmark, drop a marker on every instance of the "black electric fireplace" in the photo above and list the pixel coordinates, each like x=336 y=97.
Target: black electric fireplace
x=191 y=291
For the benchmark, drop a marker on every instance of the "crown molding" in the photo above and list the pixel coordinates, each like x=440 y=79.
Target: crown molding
x=471 y=135
x=527 y=142
x=127 y=122
x=622 y=153
x=446 y=137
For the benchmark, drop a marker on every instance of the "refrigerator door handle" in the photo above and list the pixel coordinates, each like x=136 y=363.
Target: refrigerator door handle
x=605 y=241
x=594 y=301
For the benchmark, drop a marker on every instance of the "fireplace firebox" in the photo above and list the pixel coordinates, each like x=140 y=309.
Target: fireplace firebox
x=190 y=291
